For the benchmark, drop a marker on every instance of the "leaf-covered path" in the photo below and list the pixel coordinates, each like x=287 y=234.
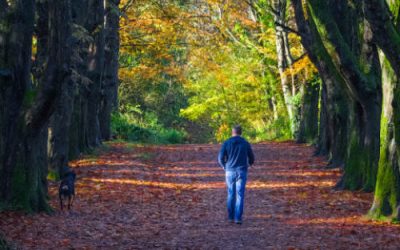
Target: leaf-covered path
x=173 y=197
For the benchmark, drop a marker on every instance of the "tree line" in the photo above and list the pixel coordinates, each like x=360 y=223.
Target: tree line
x=355 y=47
x=58 y=87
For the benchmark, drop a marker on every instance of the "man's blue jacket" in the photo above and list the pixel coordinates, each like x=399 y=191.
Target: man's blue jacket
x=235 y=153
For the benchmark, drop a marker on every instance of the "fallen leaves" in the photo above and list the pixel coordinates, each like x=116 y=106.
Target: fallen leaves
x=176 y=199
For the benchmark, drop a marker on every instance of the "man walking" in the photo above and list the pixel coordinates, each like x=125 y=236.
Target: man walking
x=235 y=157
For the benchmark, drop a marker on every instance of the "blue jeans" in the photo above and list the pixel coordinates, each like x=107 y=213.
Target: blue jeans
x=236 y=184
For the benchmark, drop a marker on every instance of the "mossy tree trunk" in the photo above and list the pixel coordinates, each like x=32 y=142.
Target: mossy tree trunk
x=349 y=41
x=387 y=192
x=334 y=101
x=386 y=30
x=308 y=122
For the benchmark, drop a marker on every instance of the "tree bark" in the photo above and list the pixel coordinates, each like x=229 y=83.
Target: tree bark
x=386 y=33
x=109 y=90
x=15 y=63
x=284 y=60
x=334 y=101
x=387 y=192
x=59 y=128
x=95 y=25
x=357 y=61
x=23 y=183
x=308 y=128
x=322 y=146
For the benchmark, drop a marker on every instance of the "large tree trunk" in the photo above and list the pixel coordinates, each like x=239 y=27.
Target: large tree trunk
x=95 y=25
x=387 y=35
x=87 y=87
x=39 y=152
x=387 y=191
x=59 y=128
x=60 y=122
x=334 y=102
x=84 y=133
x=27 y=110
x=358 y=63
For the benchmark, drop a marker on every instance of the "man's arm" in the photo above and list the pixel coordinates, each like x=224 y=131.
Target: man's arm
x=222 y=156
x=250 y=154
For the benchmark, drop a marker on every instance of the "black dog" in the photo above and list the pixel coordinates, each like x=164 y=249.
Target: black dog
x=67 y=189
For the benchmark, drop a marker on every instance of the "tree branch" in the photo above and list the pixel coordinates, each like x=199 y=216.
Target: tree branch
x=384 y=31
x=286 y=28
x=300 y=57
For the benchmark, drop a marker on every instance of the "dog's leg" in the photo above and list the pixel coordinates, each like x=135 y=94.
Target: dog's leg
x=72 y=199
x=69 y=202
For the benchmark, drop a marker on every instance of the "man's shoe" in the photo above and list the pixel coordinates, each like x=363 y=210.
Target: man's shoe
x=231 y=221
x=239 y=222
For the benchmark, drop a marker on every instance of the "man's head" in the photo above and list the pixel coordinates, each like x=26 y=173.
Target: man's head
x=237 y=130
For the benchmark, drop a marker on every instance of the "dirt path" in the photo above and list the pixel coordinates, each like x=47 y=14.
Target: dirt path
x=173 y=197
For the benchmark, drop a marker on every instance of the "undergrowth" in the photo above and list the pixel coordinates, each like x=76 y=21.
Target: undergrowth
x=148 y=130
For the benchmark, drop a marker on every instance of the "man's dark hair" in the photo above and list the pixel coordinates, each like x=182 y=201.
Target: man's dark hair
x=237 y=129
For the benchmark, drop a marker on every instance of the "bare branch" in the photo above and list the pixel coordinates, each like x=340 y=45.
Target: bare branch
x=300 y=57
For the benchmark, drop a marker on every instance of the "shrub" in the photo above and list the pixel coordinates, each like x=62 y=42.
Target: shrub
x=126 y=127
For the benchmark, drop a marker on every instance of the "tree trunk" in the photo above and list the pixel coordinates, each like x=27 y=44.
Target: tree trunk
x=59 y=131
x=322 y=147
x=334 y=102
x=27 y=110
x=95 y=25
x=84 y=133
x=386 y=32
x=285 y=61
x=308 y=128
x=110 y=82
x=357 y=61
x=387 y=35
x=387 y=192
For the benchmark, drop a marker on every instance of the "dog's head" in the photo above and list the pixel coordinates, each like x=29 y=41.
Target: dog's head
x=70 y=175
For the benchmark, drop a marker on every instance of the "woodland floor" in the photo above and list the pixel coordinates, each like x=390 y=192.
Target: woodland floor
x=173 y=197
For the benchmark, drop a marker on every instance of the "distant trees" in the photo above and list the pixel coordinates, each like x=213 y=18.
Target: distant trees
x=61 y=95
